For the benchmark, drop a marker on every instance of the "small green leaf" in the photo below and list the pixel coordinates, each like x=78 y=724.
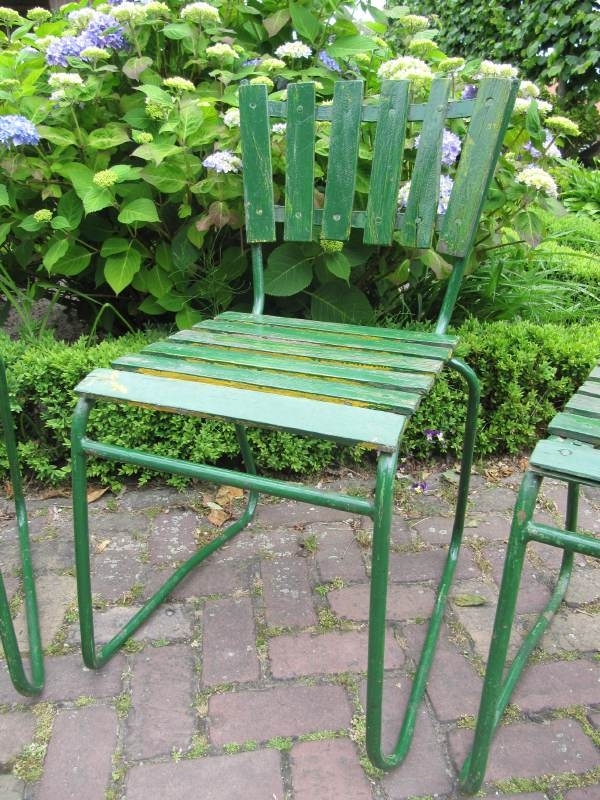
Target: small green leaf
x=275 y=22
x=120 y=269
x=75 y=261
x=187 y=317
x=56 y=251
x=70 y=208
x=4 y=198
x=110 y=136
x=4 y=231
x=351 y=45
x=140 y=210
x=337 y=302
x=168 y=181
x=135 y=66
x=468 y=600
x=156 y=151
x=307 y=25
x=338 y=265
x=178 y=30
x=95 y=198
x=114 y=245
x=289 y=270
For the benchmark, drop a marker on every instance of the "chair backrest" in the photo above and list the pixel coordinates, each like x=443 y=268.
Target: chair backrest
x=333 y=203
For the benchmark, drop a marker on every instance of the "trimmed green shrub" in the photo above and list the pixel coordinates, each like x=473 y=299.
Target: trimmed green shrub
x=527 y=372
x=574 y=230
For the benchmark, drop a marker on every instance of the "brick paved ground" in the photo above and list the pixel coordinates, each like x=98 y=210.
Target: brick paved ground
x=249 y=681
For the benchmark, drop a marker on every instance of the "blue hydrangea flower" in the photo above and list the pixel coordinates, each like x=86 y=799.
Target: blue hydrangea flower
x=329 y=62
x=251 y=62
x=469 y=92
x=16 y=130
x=446 y=184
x=104 y=31
x=59 y=50
x=451 y=146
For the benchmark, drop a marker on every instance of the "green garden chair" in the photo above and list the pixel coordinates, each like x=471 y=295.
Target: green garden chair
x=14 y=661
x=347 y=383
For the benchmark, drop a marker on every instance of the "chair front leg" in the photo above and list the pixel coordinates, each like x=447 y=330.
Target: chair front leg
x=496 y=689
x=16 y=670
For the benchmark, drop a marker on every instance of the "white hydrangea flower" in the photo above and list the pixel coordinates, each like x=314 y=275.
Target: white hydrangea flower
x=221 y=50
x=94 y=53
x=231 y=118
x=538 y=179
x=200 y=12
x=406 y=68
x=130 y=12
x=293 y=50
x=263 y=79
x=528 y=89
x=223 y=161
x=412 y=23
x=522 y=105
x=279 y=127
x=179 y=84
x=64 y=80
x=490 y=68
x=80 y=18
x=272 y=64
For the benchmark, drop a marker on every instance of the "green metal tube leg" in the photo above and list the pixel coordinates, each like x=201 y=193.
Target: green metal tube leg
x=96 y=658
x=490 y=709
x=16 y=670
x=379 y=577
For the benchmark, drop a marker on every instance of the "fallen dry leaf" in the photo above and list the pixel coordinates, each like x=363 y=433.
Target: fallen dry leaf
x=96 y=494
x=101 y=546
x=218 y=517
x=228 y=494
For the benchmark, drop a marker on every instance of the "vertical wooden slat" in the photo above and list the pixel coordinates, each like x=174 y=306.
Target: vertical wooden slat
x=343 y=156
x=388 y=150
x=300 y=162
x=491 y=115
x=421 y=208
x=256 y=159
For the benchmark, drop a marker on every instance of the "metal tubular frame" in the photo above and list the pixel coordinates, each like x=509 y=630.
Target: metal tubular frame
x=380 y=510
x=500 y=681
x=14 y=660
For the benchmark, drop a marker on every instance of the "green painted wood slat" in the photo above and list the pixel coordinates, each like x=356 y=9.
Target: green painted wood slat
x=341 y=423
x=594 y=374
x=397 y=334
x=271 y=381
x=421 y=208
x=588 y=405
x=374 y=376
x=567 y=458
x=457 y=109
x=300 y=162
x=388 y=150
x=576 y=426
x=294 y=336
x=480 y=149
x=342 y=161
x=590 y=387
x=257 y=171
x=340 y=356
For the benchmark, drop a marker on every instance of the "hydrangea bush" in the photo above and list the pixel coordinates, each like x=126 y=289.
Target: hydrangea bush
x=119 y=151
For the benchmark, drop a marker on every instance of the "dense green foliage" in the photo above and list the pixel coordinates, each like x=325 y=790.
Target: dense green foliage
x=527 y=371
x=131 y=200
x=553 y=42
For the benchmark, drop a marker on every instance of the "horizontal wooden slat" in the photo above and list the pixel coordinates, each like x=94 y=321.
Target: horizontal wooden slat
x=270 y=381
x=595 y=374
x=341 y=423
x=457 y=109
x=395 y=334
x=566 y=458
x=308 y=350
x=585 y=404
x=591 y=388
x=576 y=426
x=374 y=376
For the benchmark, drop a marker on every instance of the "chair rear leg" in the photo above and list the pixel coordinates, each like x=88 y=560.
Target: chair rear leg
x=92 y=657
